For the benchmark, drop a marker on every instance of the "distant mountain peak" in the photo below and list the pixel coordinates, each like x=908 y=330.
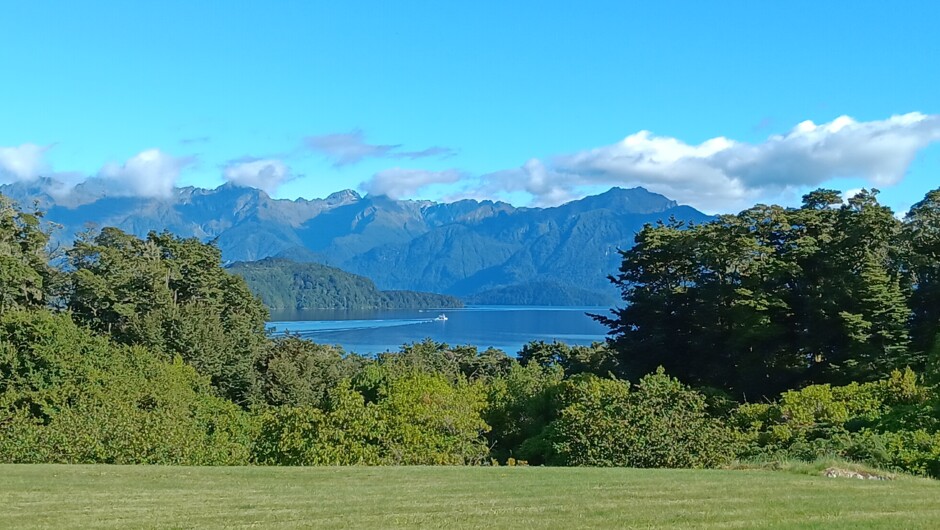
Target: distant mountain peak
x=232 y=186
x=635 y=192
x=633 y=200
x=343 y=196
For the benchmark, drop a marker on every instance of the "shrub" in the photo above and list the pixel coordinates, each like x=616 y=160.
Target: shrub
x=300 y=373
x=347 y=433
x=520 y=405
x=67 y=396
x=659 y=423
x=890 y=423
x=454 y=362
x=429 y=420
x=420 y=419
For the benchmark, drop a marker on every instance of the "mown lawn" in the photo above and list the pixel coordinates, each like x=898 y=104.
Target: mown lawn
x=52 y=496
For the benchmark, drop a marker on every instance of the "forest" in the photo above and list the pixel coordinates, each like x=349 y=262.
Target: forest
x=794 y=333
x=286 y=284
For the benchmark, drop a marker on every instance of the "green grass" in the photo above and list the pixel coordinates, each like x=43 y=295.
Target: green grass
x=54 y=496
x=815 y=468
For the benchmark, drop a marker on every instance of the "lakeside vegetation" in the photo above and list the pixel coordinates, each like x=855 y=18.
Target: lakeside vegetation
x=46 y=496
x=772 y=334
x=540 y=293
x=285 y=284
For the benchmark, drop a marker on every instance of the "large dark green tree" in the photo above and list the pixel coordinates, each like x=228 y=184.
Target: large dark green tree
x=25 y=274
x=299 y=373
x=767 y=299
x=922 y=234
x=173 y=296
x=596 y=358
x=873 y=308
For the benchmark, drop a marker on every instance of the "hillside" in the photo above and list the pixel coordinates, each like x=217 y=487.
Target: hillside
x=284 y=284
x=465 y=248
x=540 y=293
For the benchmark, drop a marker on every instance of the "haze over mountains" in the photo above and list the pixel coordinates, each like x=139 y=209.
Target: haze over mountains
x=483 y=251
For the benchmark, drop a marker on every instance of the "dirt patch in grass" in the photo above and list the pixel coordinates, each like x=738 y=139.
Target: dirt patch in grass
x=836 y=472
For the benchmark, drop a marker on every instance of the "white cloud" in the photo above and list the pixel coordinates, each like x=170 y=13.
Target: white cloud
x=878 y=151
x=151 y=173
x=60 y=185
x=350 y=148
x=546 y=185
x=849 y=193
x=266 y=174
x=722 y=174
x=398 y=182
x=347 y=148
x=22 y=163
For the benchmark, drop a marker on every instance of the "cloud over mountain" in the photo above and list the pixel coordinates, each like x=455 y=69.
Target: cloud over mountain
x=721 y=173
x=21 y=163
x=263 y=173
x=150 y=173
x=398 y=182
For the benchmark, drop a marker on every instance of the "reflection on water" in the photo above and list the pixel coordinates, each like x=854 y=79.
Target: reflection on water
x=503 y=327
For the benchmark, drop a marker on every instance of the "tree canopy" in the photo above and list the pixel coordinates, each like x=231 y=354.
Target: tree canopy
x=25 y=275
x=775 y=298
x=171 y=295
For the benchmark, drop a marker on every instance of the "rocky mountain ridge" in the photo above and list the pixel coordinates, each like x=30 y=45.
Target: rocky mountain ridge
x=461 y=248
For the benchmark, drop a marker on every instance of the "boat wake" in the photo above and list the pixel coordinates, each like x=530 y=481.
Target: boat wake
x=316 y=327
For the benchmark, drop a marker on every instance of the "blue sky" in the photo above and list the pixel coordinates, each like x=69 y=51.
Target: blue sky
x=526 y=101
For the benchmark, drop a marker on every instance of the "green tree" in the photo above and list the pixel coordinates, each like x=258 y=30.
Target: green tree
x=520 y=405
x=430 y=420
x=454 y=362
x=173 y=296
x=922 y=238
x=69 y=396
x=25 y=275
x=659 y=423
x=347 y=431
x=873 y=308
x=767 y=299
x=298 y=372
x=596 y=359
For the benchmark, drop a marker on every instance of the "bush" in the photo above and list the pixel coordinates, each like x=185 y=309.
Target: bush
x=659 y=423
x=67 y=396
x=454 y=362
x=429 y=420
x=420 y=419
x=890 y=423
x=347 y=433
x=520 y=405
x=300 y=373
x=596 y=359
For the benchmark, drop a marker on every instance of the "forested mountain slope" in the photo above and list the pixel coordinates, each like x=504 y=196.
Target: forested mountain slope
x=285 y=284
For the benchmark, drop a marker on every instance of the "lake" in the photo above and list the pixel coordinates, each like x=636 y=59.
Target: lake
x=503 y=327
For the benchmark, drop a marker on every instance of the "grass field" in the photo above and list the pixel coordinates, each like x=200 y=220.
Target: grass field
x=51 y=496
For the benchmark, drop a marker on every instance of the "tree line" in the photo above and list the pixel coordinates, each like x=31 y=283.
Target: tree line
x=284 y=284
x=794 y=333
x=778 y=298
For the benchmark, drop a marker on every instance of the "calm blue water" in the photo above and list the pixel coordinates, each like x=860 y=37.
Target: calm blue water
x=503 y=327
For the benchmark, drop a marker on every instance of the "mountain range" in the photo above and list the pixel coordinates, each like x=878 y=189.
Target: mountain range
x=484 y=251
